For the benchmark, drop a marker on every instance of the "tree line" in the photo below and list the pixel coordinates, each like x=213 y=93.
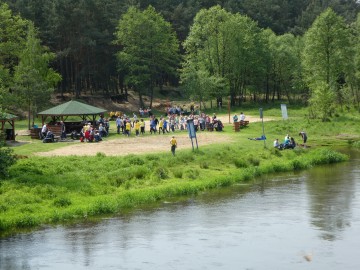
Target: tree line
x=300 y=50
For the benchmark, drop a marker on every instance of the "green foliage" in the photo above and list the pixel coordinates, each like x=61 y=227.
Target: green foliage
x=62 y=202
x=150 y=49
x=7 y=159
x=326 y=56
x=356 y=144
x=322 y=102
x=34 y=79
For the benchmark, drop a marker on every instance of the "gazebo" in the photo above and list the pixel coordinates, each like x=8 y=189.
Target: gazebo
x=8 y=118
x=61 y=112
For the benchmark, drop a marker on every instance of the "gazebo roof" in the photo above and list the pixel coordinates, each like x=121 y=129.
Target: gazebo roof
x=72 y=107
x=7 y=116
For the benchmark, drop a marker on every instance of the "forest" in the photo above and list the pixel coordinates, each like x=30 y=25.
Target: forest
x=303 y=51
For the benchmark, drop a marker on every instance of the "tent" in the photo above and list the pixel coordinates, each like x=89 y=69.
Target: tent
x=72 y=108
x=8 y=118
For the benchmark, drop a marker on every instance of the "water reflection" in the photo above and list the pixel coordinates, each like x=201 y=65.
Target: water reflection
x=331 y=190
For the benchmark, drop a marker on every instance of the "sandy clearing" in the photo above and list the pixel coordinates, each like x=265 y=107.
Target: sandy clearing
x=139 y=145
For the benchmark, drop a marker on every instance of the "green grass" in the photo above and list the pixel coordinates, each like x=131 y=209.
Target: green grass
x=42 y=190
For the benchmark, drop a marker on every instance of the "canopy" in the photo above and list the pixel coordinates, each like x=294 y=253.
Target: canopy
x=72 y=108
x=10 y=118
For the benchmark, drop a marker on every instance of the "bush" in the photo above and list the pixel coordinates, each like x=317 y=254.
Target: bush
x=240 y=163
x=62 y=202
x=7 y=158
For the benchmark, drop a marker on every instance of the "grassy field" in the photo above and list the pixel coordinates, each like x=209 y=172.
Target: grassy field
x=43 y=190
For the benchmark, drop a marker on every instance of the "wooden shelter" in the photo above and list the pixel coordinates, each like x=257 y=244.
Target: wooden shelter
x=71 y=108
x=8 y=118
x=61 y=112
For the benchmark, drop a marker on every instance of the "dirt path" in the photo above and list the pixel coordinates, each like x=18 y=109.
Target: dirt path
x=139 y=145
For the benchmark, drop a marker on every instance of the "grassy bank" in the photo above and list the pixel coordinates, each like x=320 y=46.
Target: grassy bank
x=45 y=191
x=42 y=190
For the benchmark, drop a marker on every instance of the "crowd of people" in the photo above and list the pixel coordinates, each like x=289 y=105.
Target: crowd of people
x=166 y=123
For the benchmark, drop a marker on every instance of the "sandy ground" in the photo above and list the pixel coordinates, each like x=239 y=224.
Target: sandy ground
x=139 y=145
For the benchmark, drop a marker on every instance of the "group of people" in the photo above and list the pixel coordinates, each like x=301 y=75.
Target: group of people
x=89 y=133
x=289 y=142
x=166 y=124
x=241 y=118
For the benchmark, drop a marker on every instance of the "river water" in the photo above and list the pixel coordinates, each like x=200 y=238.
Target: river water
x=307 y=220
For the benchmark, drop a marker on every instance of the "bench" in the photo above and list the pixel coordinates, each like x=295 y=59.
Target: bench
x=244 y=123
x=240 y=124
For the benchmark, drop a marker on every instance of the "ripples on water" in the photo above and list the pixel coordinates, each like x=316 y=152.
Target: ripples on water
x=308 y=220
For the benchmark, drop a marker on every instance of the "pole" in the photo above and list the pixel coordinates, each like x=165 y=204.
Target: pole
x=229 y=108
x=262 y=121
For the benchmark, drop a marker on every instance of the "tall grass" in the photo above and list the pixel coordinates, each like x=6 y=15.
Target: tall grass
x=42 y=190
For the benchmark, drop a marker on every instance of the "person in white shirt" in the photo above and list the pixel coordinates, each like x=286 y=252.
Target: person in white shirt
x=242 y=116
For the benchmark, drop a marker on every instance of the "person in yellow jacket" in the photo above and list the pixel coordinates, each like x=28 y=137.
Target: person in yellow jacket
x=127 y=128
x=173 y=144
x=161 y=125
x=137 y=127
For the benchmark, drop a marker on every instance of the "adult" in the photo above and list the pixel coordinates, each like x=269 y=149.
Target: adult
x=63 y=130
x=44 y=131
x=118 y=124
x=276 y=143
x=235 y=118
x=173 y=144
x=142 y=126
x=303 y=136
x=242 y=117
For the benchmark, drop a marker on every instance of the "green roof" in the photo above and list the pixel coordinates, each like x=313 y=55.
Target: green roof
x=7 y=116
x=73 y=107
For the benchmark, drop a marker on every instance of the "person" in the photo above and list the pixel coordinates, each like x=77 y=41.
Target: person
x=303 y=136
x=44 y=131
x=173 y=144
x=276 y=143
x=137 y=128
x=49 y=137
x=127 y=128
x=287 y=140
x=118 y=124
x=142 y=126
x=242 y=117
x=262 y=138
x=63 y=130
x=235 y=118
x=102 y=131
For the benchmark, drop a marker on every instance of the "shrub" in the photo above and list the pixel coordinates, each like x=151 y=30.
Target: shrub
x=135 y=160
x=62 y=202
x=161 y=173
x=241 y=163
x=356 y=144
x=204 y=165
x=178 y=173
x=254 y=161
x=7 y=158
x=192 y=173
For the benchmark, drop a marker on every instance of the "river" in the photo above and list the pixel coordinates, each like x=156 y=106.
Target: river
x=305 y=220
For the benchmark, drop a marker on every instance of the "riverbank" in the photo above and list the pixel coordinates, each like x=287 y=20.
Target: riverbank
x=43 y=190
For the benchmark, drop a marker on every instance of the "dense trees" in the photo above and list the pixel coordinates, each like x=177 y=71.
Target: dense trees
x=243 y=49
x=34 y=80
x=80 y=32
x=326 y=60
x=26 y=80
x=149 y=50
